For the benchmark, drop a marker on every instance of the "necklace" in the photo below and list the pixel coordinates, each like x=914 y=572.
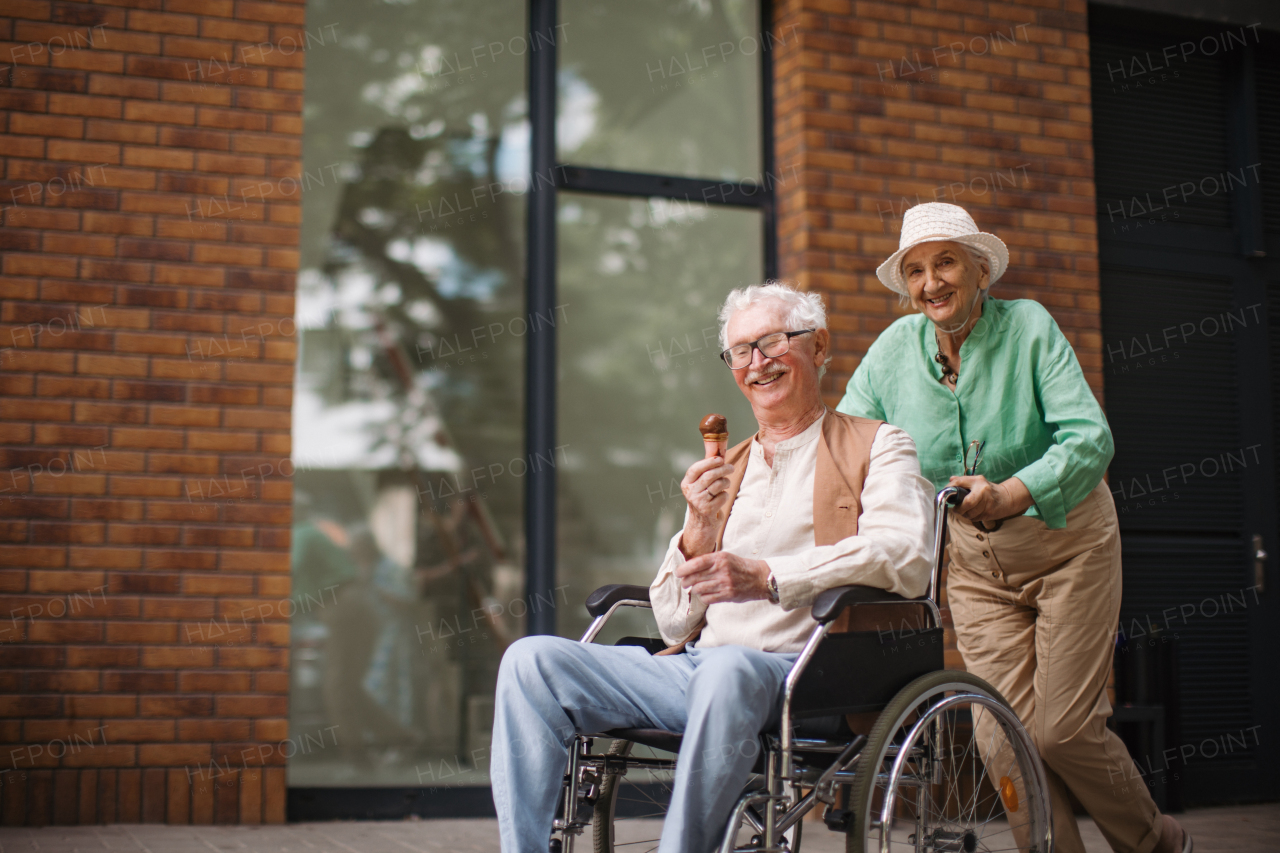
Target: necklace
x=949 y=374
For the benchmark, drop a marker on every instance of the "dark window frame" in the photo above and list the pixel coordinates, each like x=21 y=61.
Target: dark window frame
x=397 y=802
x=540 y=276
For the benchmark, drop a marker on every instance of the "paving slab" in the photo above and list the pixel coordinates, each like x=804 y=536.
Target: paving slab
x=1239 y=829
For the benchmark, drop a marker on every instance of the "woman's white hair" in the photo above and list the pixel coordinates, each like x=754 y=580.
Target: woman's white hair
x=980 y=260
x=804 y=309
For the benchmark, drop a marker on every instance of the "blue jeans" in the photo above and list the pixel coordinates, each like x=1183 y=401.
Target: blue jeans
x=551 y=688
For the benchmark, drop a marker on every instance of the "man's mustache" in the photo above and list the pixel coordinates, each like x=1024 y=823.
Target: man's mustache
x=755 y=375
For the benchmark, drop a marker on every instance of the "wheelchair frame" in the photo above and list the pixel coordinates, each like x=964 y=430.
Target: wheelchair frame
x=780 y=800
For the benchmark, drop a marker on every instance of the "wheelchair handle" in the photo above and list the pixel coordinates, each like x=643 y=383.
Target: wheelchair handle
x=957 y=496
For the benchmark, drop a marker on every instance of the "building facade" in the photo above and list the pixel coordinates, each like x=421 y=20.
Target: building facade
x=342 y=343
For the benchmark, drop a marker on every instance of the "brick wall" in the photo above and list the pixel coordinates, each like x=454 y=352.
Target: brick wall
x=883 y=105
x=150 y=226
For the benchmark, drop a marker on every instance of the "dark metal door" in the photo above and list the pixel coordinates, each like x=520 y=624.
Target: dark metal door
x=1190 y=379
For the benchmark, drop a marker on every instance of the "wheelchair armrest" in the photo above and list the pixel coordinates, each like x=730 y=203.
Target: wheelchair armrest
x=599 y=602
x=831 y=603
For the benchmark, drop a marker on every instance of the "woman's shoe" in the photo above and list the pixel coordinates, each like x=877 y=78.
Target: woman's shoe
x=1173 y=838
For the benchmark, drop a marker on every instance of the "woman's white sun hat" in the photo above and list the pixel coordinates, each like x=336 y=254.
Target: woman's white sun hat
x=926 y=223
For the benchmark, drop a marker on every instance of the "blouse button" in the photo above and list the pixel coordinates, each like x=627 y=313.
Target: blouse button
x=986 y=554
x=995 y=574
x=981 y=537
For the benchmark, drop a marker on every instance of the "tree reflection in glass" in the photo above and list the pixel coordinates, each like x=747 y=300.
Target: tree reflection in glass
x=408 y=406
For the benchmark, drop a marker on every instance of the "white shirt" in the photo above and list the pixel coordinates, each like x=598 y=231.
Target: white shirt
x=772 y=520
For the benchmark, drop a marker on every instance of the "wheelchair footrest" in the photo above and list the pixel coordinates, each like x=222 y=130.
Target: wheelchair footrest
x=837 y=820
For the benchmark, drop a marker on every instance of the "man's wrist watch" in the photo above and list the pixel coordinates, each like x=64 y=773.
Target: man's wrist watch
x=771 y=586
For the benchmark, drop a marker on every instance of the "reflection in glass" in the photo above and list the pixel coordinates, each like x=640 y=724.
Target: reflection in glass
x=408 y=404
x=642 y=281
x=662 y=86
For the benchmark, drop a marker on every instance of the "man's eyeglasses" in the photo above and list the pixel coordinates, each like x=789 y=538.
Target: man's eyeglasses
x=770 y=346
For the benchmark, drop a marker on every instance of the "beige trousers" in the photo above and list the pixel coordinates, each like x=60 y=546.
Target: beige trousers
x=1035 y=612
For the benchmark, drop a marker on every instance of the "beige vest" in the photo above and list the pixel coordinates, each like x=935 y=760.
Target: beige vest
x=844 y=456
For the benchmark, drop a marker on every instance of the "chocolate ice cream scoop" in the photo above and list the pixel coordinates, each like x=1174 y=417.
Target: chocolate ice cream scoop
x=715 y=435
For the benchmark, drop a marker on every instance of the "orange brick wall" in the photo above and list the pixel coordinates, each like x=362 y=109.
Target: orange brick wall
x=149 y=241
x=882 y=105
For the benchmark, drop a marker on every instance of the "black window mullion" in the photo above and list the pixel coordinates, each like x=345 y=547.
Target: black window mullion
x=692 y=190
x=540 y=347
x=769 y=209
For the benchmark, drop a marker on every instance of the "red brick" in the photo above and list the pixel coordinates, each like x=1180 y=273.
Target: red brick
x=160 y=113
x=275 y=101
x=83 y=152
x=231 y=119
x=275 y=13
x=62 y=220
x=167 y=68
x=230 y=164
x=123 y=87
x=46 y=125
x=84 y=105
x=178 y=137
x=20 y=100
x=157 y=158
x=157 y=22
x=19 y=264
x=75 y=244
x=234 y=30
x=201 y=92
x=116 y=223
x=89 y=60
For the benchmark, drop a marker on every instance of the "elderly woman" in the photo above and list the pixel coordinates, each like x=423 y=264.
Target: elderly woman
x=996 y=402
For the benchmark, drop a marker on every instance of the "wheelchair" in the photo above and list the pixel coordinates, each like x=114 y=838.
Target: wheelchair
x=947 y=766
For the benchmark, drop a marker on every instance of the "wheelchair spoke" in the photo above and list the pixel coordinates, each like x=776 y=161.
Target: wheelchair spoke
x=962 y=788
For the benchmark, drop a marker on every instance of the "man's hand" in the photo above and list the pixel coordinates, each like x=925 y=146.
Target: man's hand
x=721 y=576
x=705 y=487
x=989 y=501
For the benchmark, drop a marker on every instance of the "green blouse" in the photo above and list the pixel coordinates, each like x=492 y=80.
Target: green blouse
x=1020 y=389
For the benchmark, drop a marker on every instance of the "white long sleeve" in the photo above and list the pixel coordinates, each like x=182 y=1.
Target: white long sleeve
x=772 y=520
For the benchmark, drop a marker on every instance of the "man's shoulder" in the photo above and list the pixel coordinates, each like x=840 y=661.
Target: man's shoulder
x=839 y=420
x=849 y=436
x=883 y=436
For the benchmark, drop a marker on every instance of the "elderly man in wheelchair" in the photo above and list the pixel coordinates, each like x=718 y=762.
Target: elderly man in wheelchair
x=728 y=737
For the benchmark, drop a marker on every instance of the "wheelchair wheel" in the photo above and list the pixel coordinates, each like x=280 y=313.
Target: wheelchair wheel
x=629 y=812
x=948 y=766
x=630 y=809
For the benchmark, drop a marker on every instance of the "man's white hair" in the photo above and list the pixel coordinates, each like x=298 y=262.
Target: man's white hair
x=804 y=309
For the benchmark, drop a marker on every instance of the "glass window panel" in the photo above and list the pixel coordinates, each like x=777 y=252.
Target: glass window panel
x=410 y=310
x=663 y=86
x=641 y=281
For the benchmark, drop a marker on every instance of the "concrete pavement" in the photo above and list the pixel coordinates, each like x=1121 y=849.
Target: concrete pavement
x=1239 y=829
